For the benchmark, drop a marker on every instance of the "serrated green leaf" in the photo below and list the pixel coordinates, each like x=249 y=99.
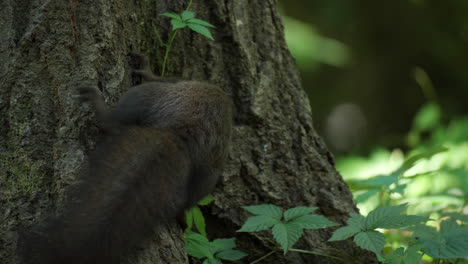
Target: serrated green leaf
x=270 y=210
x=193 y=250
x=286 y=234
x=380 y=215
x=199 y=220
x=231 y=254
x=297 y=212
x=198 y=249
x=200 y=22
x=172 y=15
x=206 y=200
x=372 y=241
x=176 y=24
x=401 y=221
x=344 y=233
x=390 y=217
x=201 y=30
x=357 y=221
x=186 y=15
x=450 y=242
x=225 y=243
x=258 y=223
x=313 y=222
x=189 y=235
x=423 y=231
x=189 y=219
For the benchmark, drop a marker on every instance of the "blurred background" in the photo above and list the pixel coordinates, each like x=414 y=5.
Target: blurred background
x=388 y=85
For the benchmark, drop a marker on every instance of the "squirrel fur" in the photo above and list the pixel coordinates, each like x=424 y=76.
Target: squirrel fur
x=163 y=149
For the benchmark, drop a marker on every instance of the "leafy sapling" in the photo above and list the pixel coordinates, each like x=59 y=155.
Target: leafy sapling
x=185 y=19
x=287 y=227
x=364 y=228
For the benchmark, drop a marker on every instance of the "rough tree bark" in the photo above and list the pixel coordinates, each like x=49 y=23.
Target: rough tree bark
x=49 y=47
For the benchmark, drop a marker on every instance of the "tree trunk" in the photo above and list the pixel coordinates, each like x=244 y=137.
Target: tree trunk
x=50 y=47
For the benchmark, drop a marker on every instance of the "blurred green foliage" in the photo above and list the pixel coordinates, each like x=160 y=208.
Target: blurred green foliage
x=379 y=56
x=311 y=48
x=432 y=176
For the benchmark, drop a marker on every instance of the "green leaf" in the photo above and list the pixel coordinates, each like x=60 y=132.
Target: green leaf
x=225 y=243
x=201 y=30
x=379 y=216
x=189 y=218
x=297 y=212
x=372 y=241
x=200 y=22
x=211 y=261
x=172 y=15
x=344 y=233
x=402 y=256
x=176 y=24
x=189 y=235
x=258 y=223
x=265 y=209
x=457 y=216
x=226 y=250
x=197 y=245
x=199 y=220
x=313 y=222
x=186 y=15
x=286 y=234
x=358 y=221
x=450 y=242
x=390 y=217
x=231 y=254
x=428 y=117
x=380 y=181
x=206 y=200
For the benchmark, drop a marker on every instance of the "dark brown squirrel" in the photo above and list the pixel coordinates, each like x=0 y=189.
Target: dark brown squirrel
x=162 y=150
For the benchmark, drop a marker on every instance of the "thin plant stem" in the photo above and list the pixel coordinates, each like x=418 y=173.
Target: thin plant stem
x=189 y=5
x=169 y=44
x=166 y=55
x=264 y=257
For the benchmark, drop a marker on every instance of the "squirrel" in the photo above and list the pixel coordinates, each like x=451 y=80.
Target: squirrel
x=162 y=150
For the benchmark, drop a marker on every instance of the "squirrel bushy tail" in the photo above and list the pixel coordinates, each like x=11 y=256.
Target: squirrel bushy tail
x=119 y=201
x=162 y=151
